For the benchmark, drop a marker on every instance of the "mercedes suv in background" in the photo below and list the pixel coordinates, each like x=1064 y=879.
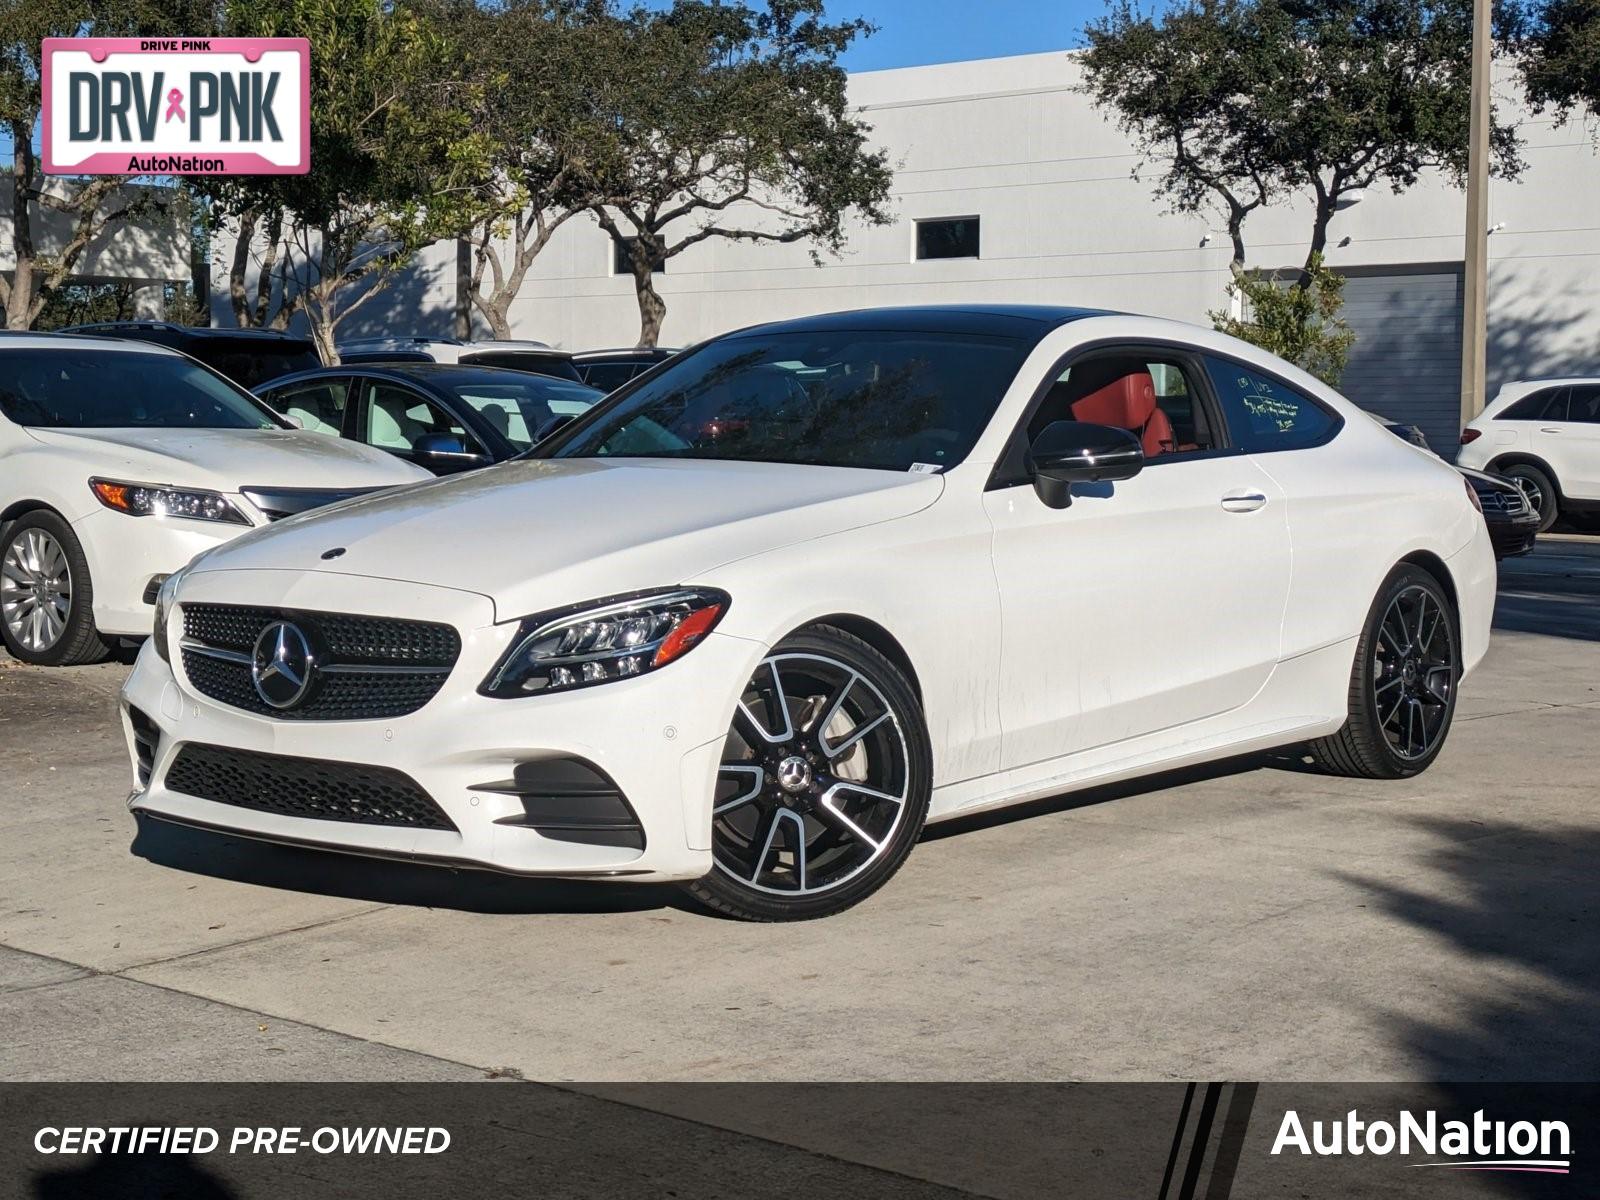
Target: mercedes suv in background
x=119 y=462
x=1543 y=435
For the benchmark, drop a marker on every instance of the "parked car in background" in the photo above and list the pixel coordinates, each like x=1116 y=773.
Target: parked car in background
x=442 y=418
x=246 y=356
x=119 y=462
x=1513 y=524
x=1544 y=435
x=533 y=357
x=813 y=584
x=610 y=369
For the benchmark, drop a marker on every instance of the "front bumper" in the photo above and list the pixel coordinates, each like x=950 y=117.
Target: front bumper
x=1514 y=537
x=125 y=553
x=658 y=738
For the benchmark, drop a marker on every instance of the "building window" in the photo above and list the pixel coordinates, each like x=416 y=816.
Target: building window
x=622 y=255
x=948 y=237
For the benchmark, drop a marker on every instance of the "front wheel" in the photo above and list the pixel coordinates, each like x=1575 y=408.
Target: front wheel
x=824 y=784
x=46 y=597
x=1403 y=685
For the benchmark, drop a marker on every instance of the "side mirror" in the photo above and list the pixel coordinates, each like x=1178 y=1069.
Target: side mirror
x=1069 y=452
x=293 y=420
x=444 y=452
x=552 y=425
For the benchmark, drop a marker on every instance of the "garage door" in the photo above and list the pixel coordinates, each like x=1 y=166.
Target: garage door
x=1406 y=363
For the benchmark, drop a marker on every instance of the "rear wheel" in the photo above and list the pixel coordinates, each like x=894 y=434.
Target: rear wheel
x=46 y=598
x=824 y=783
x=1540 y=491
x=1403 y=685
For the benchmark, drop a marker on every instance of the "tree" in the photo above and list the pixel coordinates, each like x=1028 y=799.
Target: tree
x=714 y=120
x=1300 y=322
x=393 y=159
x=530 y=59
x=85 y=208
x=1560 y=59
x=1247 y=102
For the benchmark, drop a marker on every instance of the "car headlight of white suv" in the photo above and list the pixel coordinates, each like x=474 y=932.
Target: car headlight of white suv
x=153 y=500
x=604 y=640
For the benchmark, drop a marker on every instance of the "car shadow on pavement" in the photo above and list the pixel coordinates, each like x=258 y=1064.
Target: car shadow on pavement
x=383 y=881
x=1520 y=902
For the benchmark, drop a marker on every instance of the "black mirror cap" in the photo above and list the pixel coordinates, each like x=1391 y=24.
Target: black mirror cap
x=552 y=426
x=1069 y=452
x=442 y=445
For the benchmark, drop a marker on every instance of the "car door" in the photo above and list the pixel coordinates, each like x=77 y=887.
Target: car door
x=1147 y=604
x=1568 y=438
x=392 y=416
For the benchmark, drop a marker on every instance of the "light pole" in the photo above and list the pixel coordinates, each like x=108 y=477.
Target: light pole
x=1475 y=316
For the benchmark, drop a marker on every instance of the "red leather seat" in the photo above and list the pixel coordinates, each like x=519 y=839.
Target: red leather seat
x=1130 y=403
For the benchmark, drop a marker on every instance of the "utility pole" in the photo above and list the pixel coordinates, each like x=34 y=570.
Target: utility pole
x=1475 y=317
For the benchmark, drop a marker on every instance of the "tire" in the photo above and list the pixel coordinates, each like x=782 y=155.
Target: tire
x=46 y=595
x=1540 y=490
x=825 y=783
x=1420 y=673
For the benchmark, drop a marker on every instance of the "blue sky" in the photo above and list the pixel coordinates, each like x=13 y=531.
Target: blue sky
x=916 y=32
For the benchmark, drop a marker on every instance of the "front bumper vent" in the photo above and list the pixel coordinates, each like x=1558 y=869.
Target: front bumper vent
x=569 y=800
x=304 y=787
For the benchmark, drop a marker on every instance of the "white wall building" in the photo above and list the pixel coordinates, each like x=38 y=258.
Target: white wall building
x=1062 y=220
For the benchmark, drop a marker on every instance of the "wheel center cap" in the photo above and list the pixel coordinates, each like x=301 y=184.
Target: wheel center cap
x=794 y=774
x=1409 y=671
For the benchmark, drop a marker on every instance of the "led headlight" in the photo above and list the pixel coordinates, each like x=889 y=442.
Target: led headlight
x=165 y=598
x=605 y=640
x=151 y=500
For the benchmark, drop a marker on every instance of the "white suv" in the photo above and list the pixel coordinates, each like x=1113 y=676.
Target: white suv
x=1544 y=435
x=119 y=462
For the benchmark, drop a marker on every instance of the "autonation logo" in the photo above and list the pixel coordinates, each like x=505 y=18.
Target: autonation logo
x=1477 y=1145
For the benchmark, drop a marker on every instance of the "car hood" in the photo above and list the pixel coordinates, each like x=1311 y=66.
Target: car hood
x=533 y=535
x=228 y=459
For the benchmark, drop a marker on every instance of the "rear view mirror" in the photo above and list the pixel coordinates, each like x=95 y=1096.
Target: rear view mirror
x=1069 y=452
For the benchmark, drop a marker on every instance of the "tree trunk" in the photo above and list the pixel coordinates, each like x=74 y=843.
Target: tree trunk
x=1326 y=207
x=19 y=299
x=322 y=332
x=461 y=321
x=652 y=308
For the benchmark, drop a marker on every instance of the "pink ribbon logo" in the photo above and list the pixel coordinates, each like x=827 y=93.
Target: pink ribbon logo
x=175 y=105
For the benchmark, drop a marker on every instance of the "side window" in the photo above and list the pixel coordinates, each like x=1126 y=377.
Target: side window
x=1549 y=404
x=317 y=406
x=396 y=417
x=1583 y=404
x=1264 y=414
x=1153 y=398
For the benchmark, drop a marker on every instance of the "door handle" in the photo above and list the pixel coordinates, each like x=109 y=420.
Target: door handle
x=1244 y=502
x=1549 y=431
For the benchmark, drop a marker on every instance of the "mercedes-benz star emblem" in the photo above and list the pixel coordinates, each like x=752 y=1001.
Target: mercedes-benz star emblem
x=283 y=666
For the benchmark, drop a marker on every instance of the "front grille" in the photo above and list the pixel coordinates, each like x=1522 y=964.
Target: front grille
x=368 y=668
x=1512 y=504
x=304 y=787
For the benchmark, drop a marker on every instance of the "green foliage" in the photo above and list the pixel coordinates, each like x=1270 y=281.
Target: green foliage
x=1245 y=102
x=724 y=121
x=1300 y=322
x=393 y=151
x=1560 y=55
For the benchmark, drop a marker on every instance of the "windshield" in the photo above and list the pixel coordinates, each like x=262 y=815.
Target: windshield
x=519 y=407
x=895 y=401
x=73 y=388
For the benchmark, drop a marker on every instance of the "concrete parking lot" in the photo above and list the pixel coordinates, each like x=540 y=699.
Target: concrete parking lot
x=1247 y=921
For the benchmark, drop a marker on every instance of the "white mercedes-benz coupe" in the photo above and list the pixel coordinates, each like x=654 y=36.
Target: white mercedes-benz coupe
x=119 y=462
x=756 y=618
